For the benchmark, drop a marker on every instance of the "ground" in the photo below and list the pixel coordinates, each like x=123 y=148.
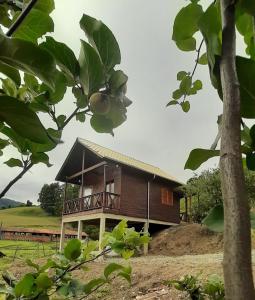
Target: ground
x=150 y=272
x=28 y=217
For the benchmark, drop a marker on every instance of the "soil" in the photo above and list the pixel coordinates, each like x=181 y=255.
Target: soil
x=186 y=239
x=174 y=252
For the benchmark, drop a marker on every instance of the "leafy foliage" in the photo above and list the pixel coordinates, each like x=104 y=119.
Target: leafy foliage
x=196 y=21
x=36 y=76
x=55 y=276
x=205 y=193
x=212 y=288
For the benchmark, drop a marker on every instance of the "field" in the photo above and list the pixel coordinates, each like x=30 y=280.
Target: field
x=28 y=217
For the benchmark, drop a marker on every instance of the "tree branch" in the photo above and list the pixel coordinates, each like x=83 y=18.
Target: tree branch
x=21 y=17
x=26 y=168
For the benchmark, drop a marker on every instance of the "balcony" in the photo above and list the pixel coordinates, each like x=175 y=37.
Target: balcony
x=105 y=200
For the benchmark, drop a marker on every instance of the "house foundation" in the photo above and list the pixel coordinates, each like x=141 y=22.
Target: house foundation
x=104 y=219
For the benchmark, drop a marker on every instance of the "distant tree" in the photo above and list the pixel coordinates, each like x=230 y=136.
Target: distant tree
x=29 y=203
x=205 y=190
x=52 y=195
x=50 y=198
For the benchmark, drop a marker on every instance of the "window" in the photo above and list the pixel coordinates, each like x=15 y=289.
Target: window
x=110 y=186
x=166 y=197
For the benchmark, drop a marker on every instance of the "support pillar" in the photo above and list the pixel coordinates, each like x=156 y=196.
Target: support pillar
x=101 y=232
x=62 y=236
x=80 y=228
x=146 y=246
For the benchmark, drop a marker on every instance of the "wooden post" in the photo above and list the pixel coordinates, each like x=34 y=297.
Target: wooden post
x=146 y=246
x=80 y=227
x=62 y=236
x=104 y=185
x=82 y=179
x=186 y=209
x=101 y=232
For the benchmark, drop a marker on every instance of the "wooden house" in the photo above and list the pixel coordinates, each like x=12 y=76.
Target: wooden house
x=114 y=186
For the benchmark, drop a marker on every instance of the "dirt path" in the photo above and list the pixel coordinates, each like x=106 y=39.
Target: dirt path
x=148 y=275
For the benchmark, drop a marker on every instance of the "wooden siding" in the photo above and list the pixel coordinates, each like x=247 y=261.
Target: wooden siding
x=134 y=197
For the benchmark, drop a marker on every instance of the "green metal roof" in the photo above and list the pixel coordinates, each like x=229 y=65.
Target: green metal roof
x=126 y=160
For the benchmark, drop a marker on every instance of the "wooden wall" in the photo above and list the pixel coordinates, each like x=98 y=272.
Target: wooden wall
x=134 y=197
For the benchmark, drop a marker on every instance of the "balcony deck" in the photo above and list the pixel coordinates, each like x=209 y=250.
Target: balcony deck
x=106 y=200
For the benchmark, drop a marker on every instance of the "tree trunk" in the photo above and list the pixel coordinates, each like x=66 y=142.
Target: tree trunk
x=237 y=233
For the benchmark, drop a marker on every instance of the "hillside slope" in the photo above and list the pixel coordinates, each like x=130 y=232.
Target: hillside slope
x=186 y=239
x=5 y=202
x=28 y=217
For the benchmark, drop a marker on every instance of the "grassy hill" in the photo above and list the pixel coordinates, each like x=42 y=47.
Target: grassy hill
x=29 y=217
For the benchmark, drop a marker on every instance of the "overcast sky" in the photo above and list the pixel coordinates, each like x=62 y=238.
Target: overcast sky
x=152 y=133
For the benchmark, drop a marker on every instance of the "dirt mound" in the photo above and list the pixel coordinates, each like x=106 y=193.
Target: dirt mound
x=186 y=239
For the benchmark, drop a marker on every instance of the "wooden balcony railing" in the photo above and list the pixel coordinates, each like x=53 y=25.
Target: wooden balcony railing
x=105 y=200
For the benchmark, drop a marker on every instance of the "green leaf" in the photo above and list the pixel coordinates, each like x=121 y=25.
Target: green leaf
x=247 y=86
x=61 y=120
x=92 y=284
x=181 y=75
x=117 y=80
x=31 y=82
x=185 y=106
x=177 y=94
x=187 y=45
x=112 y=267
x=250 y=161
x=46 y=6
x=117 y=113
x=248 y=6
x=43 y=281
x=10 y=72
x=40 y=157
x=22 y=120
x=90 y=246
x=82 y=99
x=185 y=26
x=172 y=102
x=73 y=249
x=81 y=117
x=9 y=87
x=199 y=156
x=101 y=124
x=31 y=264
x=14 y=162
x=215 y=219
x=198 y=85
x=5 y=19
x=91 y=69
x=65 y=58
x=56 y=95
x=119 y=230
x=203 y=59
x=101 y=37
x=3 y=143
x=34 y=26
x=185 y=84
x=25 y=286
x=210 y=26
x=16 y=140
x=127 y=253
x=28 y=58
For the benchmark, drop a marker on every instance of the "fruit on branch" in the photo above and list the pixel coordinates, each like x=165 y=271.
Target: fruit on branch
x=100 y=103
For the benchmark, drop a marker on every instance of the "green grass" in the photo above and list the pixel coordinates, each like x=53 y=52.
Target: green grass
x=17 y=251
x=28 y=217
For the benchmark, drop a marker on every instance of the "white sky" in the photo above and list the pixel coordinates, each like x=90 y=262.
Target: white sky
x=153 y=133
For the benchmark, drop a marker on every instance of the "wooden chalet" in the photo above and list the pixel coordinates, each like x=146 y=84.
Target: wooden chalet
x=114 y=186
